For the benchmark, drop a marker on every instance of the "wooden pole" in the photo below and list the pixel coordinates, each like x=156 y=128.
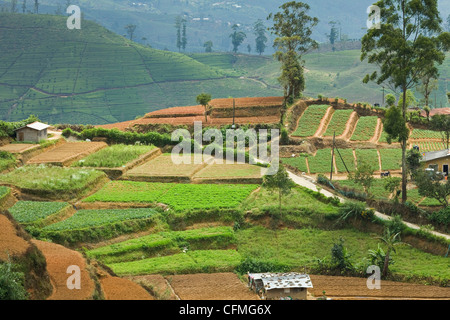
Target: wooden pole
x=332 y=156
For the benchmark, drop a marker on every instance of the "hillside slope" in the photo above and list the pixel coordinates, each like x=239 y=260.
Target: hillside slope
x=95 y=76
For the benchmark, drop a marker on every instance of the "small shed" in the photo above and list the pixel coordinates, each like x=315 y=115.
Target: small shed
x=33 y=132
x=280 y=286
x=438 y=160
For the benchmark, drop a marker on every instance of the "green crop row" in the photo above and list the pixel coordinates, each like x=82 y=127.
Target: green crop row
x=28 y=212
x=425 y=134
x=114 y=156
x=177 y=196
x=310 y=120
x=365 y=129
x=338 y=123
x=321 y=162
x=391 y=159
x=198 y=261
x=169 y=241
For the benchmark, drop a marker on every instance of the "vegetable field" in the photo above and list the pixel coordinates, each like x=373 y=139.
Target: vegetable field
x=365 y=129
x=310 y=120
x=338 y=123
x=425 y=134
x=27 y=212
x=321 y=162
x=369 y=156
x=391 y=159
x=297 y=162
x=349 y=160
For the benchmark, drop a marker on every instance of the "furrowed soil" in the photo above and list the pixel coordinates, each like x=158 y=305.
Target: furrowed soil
x=67 y=153
x=217 y=286
x=115 y=288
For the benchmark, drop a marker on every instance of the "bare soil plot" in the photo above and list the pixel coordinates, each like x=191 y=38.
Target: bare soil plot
x=217 y=286
x=10 y=243
x=163 y=168
x=226 y=172
x=177 y=112
x=58 y=259
x=156 y=284
x=344 y=288
x=67 y=153
x=115 y=288
x=18 y=148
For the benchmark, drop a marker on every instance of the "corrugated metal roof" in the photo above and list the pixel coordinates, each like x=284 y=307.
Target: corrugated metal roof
x=428 y=156
x=36 y=126
x=283 y=280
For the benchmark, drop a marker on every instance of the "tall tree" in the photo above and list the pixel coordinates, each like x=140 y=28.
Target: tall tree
x=13 y=6
x=334 y=34
x=208 y=46
x=178 y=23
x=408 y=41
x=237 y=37
x=441 y=123
x=204 y=99
x=448 y=23
x=184 y=36
x=36 y=6
x=24 y=6
x=428 y=83
x=131 y=28
x=260 y=33
x=293 y=28
x=279 y=182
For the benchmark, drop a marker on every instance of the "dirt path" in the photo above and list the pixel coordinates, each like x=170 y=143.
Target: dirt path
x=378 y=132
x=58 y=260
x=350 y=127
x=324 y=122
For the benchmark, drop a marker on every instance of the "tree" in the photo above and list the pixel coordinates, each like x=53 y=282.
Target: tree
x=131 y=28
x=393 y=186
x=293 y=28
x=363 y=176
x=427 y=111
x=36 y=6
x=279 y=182
x=448 y=23
x=391 y=241
x=184 y=36
x=413 y=159
x=249 y=48
x=390 y=99
x=441 y=123
x=24 y=6
x=204 y=99
x=429 y=186
x=237 y=37
x=334 y=34
x=13 y=6
x=178 y=23
x=410 y=100
x=402 y=49
x=394 y=124
x=260 y=33
x=428 y=83
x=208 y=46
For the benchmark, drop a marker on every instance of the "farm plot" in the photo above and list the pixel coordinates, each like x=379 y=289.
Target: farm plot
x=391 y=159
x=310 y=120
x=425 y=134
x=365 y=129
x=167 y=242
x=190 y=262
x=338 y=123
x=177 y=196
x=204 y=287
x=369 y=156
x=10 y=243
x=36 y=212
x=347 y=157
x=164 y=169
x=18 y=147
x=67 y=153
x=236 y=172
x=94 y=225
x=428 y=146
x=321 y=162
x=53 y=182
x=114 y=156
x=298 y=162
x=377 y=188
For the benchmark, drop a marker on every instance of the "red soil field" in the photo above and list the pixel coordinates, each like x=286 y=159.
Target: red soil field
x=18 y=148
x=115 y=288
x=247 y=102
x=67 y=152
x=58 y=259
x=10 y=243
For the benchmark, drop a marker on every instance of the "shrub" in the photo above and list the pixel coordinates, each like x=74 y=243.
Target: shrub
x=354 y=209
x=441 y=217
x=253 y=265
x=11 y=283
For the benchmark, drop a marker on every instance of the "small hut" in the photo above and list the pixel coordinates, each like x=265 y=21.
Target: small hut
x=33 y=132
x=280 y=286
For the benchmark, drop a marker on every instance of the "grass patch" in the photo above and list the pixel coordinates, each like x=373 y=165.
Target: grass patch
x=114 y=156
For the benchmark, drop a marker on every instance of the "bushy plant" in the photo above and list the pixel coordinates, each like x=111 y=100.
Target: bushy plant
x=253 y=265
x=354 y=209
x=11 y=283
x=441 y=217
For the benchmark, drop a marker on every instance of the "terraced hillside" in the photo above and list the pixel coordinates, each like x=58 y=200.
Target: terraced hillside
x=93 y=76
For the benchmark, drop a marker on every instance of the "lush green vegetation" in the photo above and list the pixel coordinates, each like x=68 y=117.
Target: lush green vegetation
x=7 y=161
x=165 y=242
x=177 y=196
x=310 y=120
x=196 y=261
x=391 y=159
x=321 y=162
x=365 y=129
x=347 y=157
x=27 y=212
x=338 y=123
x=369 y=156
x=4 y=191
x=114 y=156
x=297 y=162
x=52 y=181
x=425 y=134
x=377 y=188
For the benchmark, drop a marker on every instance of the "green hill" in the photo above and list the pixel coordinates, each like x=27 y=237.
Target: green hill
x=95 y=76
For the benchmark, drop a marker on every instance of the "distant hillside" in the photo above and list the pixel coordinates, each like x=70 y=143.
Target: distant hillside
x=95 y=76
